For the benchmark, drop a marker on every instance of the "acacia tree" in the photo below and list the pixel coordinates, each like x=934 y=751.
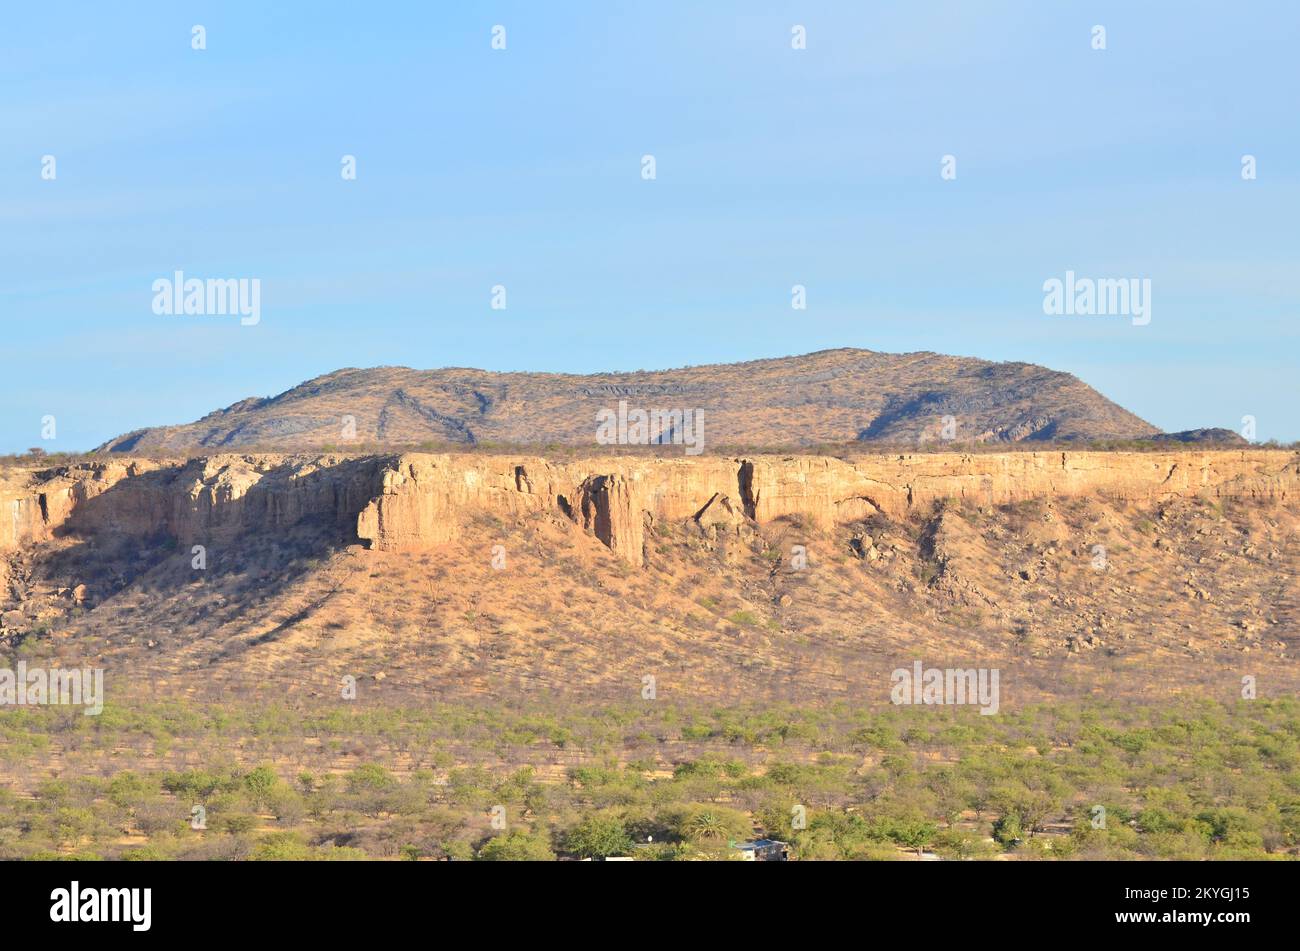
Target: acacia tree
x=913 y=833
x=598 y=837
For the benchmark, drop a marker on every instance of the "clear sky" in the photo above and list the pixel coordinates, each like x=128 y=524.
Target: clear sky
x=522 y=167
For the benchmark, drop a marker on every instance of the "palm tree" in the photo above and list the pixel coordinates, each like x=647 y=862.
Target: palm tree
x=705 y=826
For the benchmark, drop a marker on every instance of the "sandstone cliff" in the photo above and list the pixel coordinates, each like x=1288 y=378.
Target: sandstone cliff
x=416 y=501
x=758 y=576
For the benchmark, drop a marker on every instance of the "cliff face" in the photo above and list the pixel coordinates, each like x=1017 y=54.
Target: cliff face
x=217 y=497
x=418 y=501
x=772 y=576
x=617 y=499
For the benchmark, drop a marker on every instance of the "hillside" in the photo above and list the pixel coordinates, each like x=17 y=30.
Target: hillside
x=366 y=656
x=499 y=575
x=834 y=396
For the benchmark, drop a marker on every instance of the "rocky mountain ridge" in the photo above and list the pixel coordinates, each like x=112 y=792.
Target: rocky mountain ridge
x=833 y=396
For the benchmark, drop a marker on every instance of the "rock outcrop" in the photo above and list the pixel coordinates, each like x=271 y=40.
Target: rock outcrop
x=210 y=498
x=418 y=501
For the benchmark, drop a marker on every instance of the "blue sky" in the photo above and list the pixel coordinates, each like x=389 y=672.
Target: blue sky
x=521 y=167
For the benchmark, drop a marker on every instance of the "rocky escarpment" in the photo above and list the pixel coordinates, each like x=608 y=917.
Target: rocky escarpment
x=218 y=497
x=618 y=500
x=418 y=501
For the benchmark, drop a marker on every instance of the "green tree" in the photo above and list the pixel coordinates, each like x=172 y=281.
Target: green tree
x=598 y=837
x=516 y=846
x=260 y=783
x=913 y=833
x=957 y=844
x=1006 y=829
x=369 y=777
x=281 y=847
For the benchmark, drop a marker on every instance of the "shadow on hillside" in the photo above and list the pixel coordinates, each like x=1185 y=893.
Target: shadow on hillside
x=162 y=532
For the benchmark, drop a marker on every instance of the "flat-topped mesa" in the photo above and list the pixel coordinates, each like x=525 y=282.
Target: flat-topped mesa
x=425 y=497
x=418 y=501
x=833 y=490
x=216 y=497
x=616 y=498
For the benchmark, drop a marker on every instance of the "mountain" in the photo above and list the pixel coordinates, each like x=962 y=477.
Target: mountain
x=372 y=650
x=832 y=396
x=794 y=578
x=1216 y=435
